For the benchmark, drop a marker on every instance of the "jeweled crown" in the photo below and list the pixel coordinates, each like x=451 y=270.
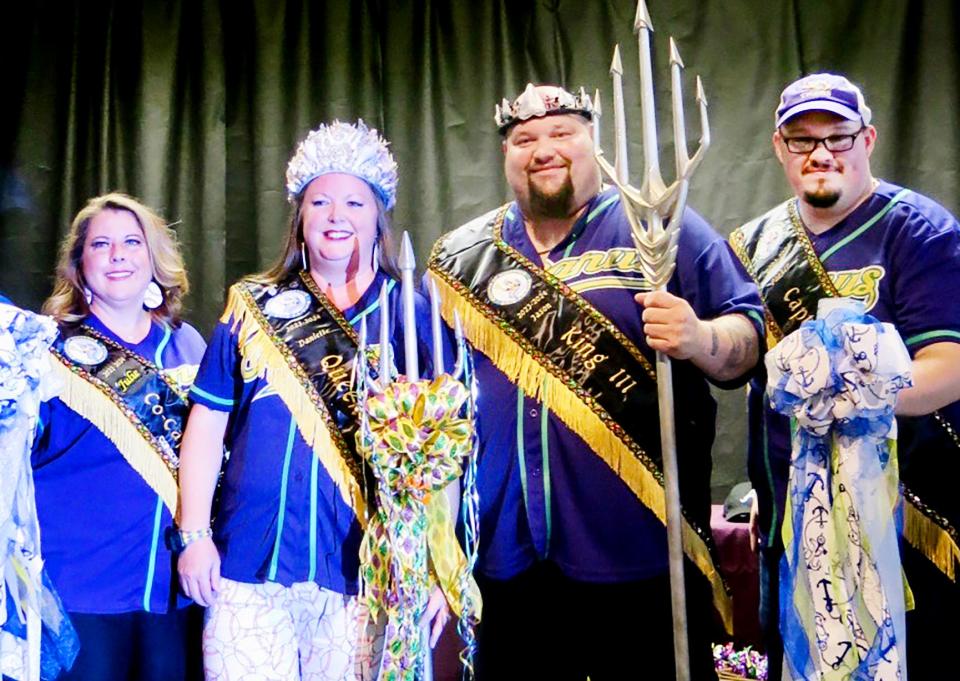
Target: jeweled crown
x=344 y=148
x=534 y=104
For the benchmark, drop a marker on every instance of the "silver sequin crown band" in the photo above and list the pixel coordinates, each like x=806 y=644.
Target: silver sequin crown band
x=344 y=148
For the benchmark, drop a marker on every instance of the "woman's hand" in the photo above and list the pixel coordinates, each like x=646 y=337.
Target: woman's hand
x=199 y=568
x=435 y=615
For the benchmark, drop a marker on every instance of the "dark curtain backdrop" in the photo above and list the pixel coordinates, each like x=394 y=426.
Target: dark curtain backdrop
x=196 y=106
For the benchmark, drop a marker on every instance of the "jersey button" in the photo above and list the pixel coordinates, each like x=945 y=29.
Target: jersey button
x=533 y=413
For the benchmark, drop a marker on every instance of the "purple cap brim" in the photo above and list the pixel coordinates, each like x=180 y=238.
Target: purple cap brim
x=819 y=105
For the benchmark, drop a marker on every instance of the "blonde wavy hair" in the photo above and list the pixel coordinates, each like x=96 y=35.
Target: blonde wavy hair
x=67 y=302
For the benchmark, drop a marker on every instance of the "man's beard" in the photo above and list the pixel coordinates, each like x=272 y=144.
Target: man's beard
x=822 y=198
x=556 y=205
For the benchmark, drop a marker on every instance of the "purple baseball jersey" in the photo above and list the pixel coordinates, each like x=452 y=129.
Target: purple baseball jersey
x=544 y=495
x=904 y=267
x=102 y=526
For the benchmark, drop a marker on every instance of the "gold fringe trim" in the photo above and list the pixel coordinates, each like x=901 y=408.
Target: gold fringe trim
x=267 y=361
x=90 y=401
x=551 y=391
x=931 y=540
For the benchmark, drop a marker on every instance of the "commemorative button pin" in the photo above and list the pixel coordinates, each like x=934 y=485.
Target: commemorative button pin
x=769 y=242
x=507 y=288
x=85 y=350
x=288 y=305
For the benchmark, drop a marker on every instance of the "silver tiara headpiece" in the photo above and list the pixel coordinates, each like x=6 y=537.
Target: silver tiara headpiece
x=344 y=148
x=534 y=104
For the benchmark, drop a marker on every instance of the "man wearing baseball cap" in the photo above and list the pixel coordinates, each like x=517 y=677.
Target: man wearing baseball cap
x=573 y=564
x=846 y=233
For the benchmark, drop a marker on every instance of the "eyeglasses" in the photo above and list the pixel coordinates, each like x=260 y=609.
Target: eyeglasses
x=806 y=145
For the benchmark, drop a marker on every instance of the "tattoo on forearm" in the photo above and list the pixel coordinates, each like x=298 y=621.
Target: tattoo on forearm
x=715 y=341
x=750 y=344
x=742 y=346
x=736 y=348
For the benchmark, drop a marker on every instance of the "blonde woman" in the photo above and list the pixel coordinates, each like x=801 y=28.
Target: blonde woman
x=106 y=457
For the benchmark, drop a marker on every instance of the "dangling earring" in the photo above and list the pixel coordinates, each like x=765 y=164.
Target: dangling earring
x=376 y=256
x=153 y=296
x=88 y=295
x=303 y=257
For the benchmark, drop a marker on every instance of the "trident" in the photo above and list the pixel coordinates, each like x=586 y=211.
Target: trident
x=651 y=211
x=388 y=369
x=388 y=373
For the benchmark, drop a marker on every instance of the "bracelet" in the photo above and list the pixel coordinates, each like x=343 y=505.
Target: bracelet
x=188 y=537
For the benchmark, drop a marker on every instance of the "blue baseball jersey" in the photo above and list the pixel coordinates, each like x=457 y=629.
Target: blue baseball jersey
x=102 y=526
x=905 y=268
x=281 y=518
x=544 y=495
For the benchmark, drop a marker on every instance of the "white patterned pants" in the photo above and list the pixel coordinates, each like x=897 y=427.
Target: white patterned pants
x=277 y=633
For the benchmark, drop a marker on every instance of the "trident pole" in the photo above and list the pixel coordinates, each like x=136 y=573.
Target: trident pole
x=655 y=213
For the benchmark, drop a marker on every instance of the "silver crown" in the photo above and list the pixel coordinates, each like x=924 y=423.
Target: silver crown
x=344 y=148
x=533 y=104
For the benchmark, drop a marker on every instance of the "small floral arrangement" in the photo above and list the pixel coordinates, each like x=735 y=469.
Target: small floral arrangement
x=739 y=664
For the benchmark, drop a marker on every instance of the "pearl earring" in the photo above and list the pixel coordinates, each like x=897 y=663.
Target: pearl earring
x=153 y=296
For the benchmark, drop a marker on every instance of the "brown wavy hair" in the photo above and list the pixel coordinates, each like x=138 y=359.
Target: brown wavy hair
x=67 y=302
x=290 y=260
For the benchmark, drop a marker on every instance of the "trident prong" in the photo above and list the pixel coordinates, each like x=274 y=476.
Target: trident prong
x=619 y=119
x=655 y=212
x=407 y=263
x=388 y=370
x=597 y=113
x=643 y=27
x=435 y=329
x=679 y=127
x=461 y=363
x=360 y=366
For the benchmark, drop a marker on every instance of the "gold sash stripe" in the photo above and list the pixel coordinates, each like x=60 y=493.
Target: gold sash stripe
x=96 y=402
x=503 y=347
x=273 y=361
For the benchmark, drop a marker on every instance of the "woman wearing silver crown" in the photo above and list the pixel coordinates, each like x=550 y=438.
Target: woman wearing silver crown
x=105 y=457
x=278 y=569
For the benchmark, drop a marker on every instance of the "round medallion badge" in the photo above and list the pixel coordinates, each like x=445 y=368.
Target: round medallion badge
x=85 y=350
x=507 y=288
x=288 y=305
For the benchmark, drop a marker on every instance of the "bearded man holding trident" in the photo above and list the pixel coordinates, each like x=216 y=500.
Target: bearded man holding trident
x=573 y=563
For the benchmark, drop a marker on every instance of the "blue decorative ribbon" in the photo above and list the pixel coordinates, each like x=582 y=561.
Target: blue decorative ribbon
x=38 y=639
x=842 y=594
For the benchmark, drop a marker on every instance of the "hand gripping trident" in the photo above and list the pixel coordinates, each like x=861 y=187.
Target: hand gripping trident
x=655 y=212
x=417 y=441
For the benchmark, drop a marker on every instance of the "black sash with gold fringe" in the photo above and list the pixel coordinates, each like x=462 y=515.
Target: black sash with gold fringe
x=291 y=335
x=557 y=347
x=778 y=254
x=128 y=399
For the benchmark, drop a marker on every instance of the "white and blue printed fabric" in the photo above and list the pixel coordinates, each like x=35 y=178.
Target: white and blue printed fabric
x=842 y=592
x=36 y=638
